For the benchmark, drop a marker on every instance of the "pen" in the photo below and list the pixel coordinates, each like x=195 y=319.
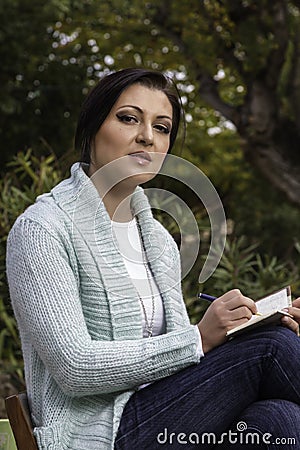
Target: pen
x=210 y=298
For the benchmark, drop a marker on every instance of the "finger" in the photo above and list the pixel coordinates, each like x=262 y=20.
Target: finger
x=242 y=312
x=291 y=324
x=296 y=303
x=295 y=312
x=236 y=323
x=241 y=300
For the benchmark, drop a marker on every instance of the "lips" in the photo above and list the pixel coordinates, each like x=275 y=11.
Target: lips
x=142 y=157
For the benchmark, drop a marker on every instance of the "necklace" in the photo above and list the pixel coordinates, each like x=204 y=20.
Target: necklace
x=149 y=324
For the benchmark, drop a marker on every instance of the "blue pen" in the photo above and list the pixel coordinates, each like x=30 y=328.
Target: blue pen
x=207 y=297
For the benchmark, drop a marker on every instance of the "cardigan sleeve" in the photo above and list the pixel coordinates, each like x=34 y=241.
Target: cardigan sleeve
x=46 y=301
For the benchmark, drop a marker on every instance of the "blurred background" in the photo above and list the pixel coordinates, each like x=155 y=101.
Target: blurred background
x=236 y=64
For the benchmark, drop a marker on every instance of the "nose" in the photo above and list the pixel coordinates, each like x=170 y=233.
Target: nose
x=145 y=135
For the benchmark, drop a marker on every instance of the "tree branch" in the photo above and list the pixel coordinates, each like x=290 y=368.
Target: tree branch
x=208 y=86
x=293 y=87
x=208 y=89
x=276 y=168
x=281 y=36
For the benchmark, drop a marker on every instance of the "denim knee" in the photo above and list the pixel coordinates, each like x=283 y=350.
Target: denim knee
x=270 y=424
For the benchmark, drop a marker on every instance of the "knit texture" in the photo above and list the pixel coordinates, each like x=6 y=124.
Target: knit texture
x=79 y=315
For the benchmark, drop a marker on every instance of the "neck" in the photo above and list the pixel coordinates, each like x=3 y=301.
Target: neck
x=117 y=204
x=117 y=200
x=116 y=195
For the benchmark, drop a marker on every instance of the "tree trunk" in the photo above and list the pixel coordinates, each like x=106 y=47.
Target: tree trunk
x=270 y=144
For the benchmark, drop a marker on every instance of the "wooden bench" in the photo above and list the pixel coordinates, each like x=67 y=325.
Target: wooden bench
x=20 y=421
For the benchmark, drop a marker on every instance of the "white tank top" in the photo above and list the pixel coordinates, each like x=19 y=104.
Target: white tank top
x=130 y=246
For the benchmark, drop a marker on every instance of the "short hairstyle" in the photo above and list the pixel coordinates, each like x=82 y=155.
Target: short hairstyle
x=99 y=102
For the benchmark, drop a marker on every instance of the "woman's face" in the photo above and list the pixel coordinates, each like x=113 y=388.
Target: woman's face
x=135 y=136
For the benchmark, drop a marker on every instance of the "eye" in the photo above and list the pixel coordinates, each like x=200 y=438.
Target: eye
x=162 y=128
x=127 y=118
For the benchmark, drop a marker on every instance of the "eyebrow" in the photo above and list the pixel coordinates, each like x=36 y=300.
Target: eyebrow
x=142 y=112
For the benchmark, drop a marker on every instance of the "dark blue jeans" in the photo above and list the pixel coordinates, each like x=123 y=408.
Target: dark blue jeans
x=243 y=394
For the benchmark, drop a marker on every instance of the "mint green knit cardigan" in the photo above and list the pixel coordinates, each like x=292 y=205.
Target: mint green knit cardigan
x=79 y=315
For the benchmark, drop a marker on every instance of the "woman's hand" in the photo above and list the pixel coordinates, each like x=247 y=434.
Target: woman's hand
x=226 y=312
x=294 y=310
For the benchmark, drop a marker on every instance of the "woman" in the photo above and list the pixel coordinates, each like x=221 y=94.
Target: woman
x=111 y=360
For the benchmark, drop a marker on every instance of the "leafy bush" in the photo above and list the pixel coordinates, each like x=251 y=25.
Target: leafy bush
x=27 y=177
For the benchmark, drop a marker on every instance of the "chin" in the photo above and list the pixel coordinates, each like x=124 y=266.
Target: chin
x=136 y=180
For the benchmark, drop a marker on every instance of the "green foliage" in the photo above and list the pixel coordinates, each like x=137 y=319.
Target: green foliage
x=241 y=266
x=34 y=97
x=10 y=349
x=58 y=50
x=27 y=176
